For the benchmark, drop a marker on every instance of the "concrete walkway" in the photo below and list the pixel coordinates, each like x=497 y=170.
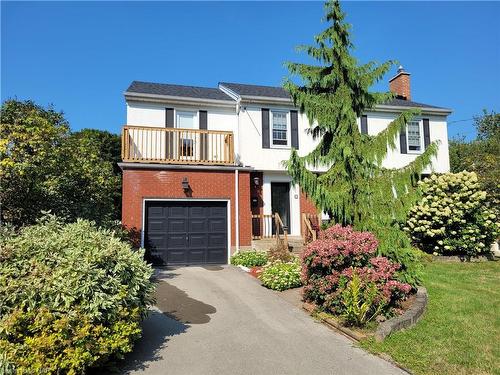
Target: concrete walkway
x=219 y=320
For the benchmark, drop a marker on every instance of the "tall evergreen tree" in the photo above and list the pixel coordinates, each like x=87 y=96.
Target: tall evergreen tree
x=334 y=93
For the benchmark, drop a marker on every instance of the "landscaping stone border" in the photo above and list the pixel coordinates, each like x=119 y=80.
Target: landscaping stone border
x=408 y=319
x=332 y=323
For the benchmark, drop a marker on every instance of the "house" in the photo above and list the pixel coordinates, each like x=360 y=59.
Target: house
x=202 y=167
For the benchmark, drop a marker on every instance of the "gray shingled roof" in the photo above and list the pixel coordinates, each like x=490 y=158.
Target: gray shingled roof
x=177 y=90
x=279 y=92
x=239 y=88
x=408 y=103
x=256 y=90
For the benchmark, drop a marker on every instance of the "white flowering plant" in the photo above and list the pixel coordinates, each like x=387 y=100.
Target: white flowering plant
x=280 y=275
x=452 y=217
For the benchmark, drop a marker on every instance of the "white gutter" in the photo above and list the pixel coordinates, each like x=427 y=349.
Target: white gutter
x=179 y=99
x=377 y=108
x=393 y=108
x=237 y=209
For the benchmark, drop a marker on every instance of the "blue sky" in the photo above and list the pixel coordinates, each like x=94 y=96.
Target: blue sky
x=81 y=56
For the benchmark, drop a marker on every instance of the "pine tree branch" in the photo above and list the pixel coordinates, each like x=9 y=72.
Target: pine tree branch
x=379 y=145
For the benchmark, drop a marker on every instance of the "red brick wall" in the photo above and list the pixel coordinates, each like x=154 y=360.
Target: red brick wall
x=401 y=85
x=149 y=183
x=306 y=206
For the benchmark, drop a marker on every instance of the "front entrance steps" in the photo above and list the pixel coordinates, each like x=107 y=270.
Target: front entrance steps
x=295 y=243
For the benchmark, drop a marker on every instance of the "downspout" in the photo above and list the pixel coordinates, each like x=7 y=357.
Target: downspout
x=236 y=181
x=237 y=209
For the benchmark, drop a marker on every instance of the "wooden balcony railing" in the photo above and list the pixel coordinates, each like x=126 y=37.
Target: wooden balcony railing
x=142 y=144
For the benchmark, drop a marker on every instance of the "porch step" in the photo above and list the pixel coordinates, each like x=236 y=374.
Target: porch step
x=296 y=244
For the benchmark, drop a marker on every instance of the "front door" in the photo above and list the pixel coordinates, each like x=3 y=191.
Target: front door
x=280 y=201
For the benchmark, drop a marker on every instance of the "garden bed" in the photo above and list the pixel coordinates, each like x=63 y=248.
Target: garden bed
x=413 y=309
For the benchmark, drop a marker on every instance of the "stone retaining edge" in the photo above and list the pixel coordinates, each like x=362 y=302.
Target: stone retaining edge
x=408 y=319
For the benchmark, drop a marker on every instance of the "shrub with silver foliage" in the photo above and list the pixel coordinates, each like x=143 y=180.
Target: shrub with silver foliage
x=71 y=296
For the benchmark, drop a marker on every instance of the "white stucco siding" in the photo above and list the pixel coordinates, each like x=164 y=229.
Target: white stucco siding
x=145 y=114
x=378 y=121
x=248 y=139
x=251 y=151
x=270 y=177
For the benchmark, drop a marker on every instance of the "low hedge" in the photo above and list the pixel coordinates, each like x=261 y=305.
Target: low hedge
x=280 y=275
x=71 y=297
x=249 y=258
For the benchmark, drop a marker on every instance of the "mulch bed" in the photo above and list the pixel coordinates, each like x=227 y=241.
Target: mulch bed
x=355 y=333
x=255 y=271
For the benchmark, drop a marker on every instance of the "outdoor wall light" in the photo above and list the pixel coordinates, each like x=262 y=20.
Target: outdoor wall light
x=185 y=184
x=256 y=181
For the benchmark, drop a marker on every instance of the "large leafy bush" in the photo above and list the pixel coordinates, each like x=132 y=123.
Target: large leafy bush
x=71 y=297
x=249 y=258
x=280 y=275
x=342 y=274
x=452 y=218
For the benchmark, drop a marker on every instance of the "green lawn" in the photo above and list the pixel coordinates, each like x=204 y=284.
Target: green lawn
x=460 y=331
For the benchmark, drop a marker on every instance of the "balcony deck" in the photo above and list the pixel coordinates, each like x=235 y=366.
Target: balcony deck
x=141 y=144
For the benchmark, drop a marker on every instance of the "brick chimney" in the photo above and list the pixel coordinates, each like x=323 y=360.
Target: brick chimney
x=400 y=84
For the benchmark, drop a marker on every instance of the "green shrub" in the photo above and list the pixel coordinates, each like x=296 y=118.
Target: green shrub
x=361 y=302
x=249 y=258
x=71 y=297
x=452 y=218
x=281 y=275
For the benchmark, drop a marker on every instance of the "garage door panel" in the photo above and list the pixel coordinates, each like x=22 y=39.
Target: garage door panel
x=186 y=232
x=156 y=240
x=177 y=241
x=177 y=225
x=176 y=257
x=198 y=212
x=216 y=255
x=197 y=225
x=217 y=211
x=157 y=212
x=156 y=225
x=216 y=240
x=178 y=211
x=197 y=240
x=197 y=256
x=217 y=225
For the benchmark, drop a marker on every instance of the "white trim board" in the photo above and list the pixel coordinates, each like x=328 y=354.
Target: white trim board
x=144 y=200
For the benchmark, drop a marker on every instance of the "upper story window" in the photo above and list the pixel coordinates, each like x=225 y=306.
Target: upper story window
x=279 y=128
x=186 y=120
x=414 y=136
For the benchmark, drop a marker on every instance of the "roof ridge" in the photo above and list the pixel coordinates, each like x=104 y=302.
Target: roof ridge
x=176 y=84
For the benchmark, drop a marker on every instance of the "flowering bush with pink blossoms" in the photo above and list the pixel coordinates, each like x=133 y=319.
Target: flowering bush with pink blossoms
x=328 y=266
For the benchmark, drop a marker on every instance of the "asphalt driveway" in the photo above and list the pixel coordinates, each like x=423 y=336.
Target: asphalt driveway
x=218 y=320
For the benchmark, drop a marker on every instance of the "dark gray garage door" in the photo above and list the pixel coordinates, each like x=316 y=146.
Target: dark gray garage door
x=182 y=233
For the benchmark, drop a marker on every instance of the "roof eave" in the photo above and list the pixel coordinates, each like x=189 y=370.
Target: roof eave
x=431 y=110
x=136 y=96
x=265 y=99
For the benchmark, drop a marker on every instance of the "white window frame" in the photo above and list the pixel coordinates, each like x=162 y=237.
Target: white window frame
x=196 y=124
x=421 y=132
x=288 y=128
